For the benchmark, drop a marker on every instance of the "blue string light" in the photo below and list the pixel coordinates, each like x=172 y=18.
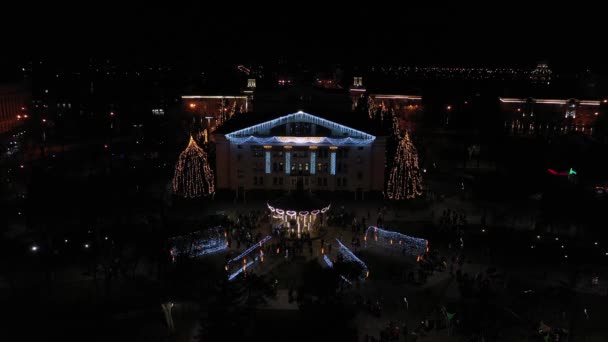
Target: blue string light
x=395 y=240
x=313 y=162
x=287 y=162
x=277 y=140
x=328 y=261
x=242 y=269
x=242 y=262
x=195 y=245
x=337 y=129
x=250 y=249
x=351 y=257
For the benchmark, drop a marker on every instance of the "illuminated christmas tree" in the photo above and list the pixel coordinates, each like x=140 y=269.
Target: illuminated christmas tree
x=395 y=129
x=405 y=181
x=371 y=107
x=193 y=176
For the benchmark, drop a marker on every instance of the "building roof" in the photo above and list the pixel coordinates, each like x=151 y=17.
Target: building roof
x=352 y=120
x=594 y=103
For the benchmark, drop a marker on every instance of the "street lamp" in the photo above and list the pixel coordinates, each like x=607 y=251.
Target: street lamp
x=447 y=115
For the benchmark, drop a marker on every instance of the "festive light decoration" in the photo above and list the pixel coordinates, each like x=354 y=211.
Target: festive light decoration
x=399 y=97
x=313 y=162
x=198 y=243
x=351 y=257
x=396 y=130
x=301 y=140
x=548 y=101
x=322 y=141
x=300 y=117
x=405 y=181
x=304 y=220
x=242 y=97
x=242 y=269
x=393 y=240
x=287 y=162
x=371 y=107
x=250 y=249
x=245 y=260
x=193 y=176
x=564 y=173
x=328 y=261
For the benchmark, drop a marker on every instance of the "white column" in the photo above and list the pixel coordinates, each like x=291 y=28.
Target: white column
x=332 y=165
x=267 y=161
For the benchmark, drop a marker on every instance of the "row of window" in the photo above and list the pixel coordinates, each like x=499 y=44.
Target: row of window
x=321 y=152
x=341 y=181
x=321 y=181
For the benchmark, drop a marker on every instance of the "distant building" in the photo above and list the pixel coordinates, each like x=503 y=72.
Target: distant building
x=542 y=74
x=400 y=105
x=549 y=116
x=275 y=152
x=14 y=101
x=216 y=108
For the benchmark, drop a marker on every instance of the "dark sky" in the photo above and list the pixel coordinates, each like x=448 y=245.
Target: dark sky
x=353 y=34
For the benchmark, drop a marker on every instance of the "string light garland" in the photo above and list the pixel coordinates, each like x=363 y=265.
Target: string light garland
x=405 y=181
x=255 y=130
x=241 y=262
x=249 y=250
x=351 y=257
x=387 y=239
x=371 y=107
x=198 y=243
x=395 y=130
x=328 y=261
x=193 y=176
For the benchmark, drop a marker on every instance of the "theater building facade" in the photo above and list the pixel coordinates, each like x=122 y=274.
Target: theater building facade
x=324 y=155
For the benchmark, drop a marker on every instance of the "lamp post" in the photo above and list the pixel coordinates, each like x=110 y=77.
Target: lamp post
x=448 y=109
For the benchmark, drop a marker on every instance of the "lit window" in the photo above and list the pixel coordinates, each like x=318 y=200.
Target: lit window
x=287 y=162
x=268 y=162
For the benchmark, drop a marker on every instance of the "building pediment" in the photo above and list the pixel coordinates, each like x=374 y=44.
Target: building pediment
x=268 y=132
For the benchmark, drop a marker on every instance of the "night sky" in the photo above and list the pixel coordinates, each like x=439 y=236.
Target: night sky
x=355 y=34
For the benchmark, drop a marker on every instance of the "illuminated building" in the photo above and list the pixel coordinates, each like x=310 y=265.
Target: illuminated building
x=13 y=107
x=542 y=74
x=278 y=151
x=385 y=104
x=217 y=108
x=531 y=116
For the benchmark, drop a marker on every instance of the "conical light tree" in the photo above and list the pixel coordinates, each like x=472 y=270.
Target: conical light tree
x=193 y=176
x=405 y=181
